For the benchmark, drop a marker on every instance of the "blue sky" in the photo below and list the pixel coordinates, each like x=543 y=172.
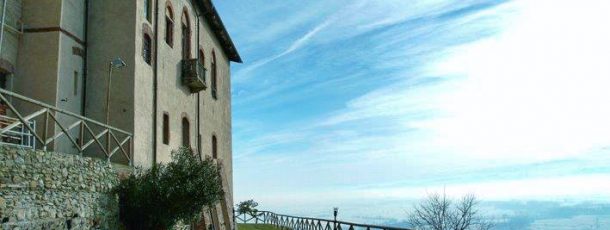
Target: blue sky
x=367 y=99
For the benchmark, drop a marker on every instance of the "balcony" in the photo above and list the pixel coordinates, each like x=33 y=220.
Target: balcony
x=193 y=75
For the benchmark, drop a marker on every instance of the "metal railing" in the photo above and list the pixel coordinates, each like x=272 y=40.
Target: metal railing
x=116 y=140
x=303 y=223
x=18 y=136
x=193 y=74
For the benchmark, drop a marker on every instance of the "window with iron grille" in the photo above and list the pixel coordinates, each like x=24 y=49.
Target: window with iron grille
x=169 y=26
x=166 y=128
x=147 y=49
x=214 y=73
x=186 y=132
x=214 y=147
x=148 y=10
x=186 y=36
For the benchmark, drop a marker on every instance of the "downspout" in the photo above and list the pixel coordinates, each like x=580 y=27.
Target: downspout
x=155 y=83
x=198 y=96
x=2 y=24
x=85 y=70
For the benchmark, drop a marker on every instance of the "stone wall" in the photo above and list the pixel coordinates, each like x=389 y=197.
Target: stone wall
x=46 y=190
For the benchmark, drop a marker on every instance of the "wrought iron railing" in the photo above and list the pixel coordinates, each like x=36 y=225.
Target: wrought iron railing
x=81 y=132
x=193 y=75
x=303 y=223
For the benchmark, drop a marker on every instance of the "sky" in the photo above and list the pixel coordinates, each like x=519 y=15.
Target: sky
x=356 y=100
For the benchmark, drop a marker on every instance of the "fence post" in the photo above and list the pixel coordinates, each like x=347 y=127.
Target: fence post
x=108 y=145
x=81 y=137
x=45 y=130
x=234 y=220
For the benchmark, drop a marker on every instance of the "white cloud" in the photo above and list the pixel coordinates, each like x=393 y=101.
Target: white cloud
x=535 y=92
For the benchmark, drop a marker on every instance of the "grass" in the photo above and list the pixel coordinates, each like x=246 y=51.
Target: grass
x=256 y=227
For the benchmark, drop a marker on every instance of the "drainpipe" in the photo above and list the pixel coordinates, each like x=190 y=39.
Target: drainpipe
x=198 y=96
x=85 y=70
x=155 y=83
x=2 y=24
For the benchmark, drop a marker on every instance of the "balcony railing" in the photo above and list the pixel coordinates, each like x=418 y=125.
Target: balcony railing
x=303 y=223
x=19 y=127
x=193 y=75
x=19 y=135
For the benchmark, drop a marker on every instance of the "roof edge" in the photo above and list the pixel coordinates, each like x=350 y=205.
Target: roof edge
x=213 y=19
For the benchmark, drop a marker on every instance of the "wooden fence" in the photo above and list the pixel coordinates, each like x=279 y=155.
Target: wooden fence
x=81 y=132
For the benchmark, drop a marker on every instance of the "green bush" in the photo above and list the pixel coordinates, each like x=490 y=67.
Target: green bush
x=159 y=197
x=247 y=207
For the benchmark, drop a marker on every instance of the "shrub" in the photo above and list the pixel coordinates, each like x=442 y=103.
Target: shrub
x=247 y=207
x=159 y=197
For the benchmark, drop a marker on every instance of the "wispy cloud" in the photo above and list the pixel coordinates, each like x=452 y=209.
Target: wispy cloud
x=245 y=73
x=372 y=94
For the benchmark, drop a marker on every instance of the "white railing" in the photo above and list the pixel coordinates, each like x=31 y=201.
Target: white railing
x=18 y=136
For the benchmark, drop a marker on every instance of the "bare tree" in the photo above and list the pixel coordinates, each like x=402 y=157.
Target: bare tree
x=437 y=212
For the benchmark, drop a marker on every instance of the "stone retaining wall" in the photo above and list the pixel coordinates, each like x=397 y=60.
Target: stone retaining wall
x=46 y=190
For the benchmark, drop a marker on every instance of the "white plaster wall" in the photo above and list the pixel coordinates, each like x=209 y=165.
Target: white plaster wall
x=111 y=32
x=66 y=98
x=10 y=41
x=38 y=57
x=216 y=116
x=143 y=93
x=174 y=98
x=72 y=20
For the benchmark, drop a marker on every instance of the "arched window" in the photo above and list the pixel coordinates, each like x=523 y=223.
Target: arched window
x=214 y=73
x=148 y=10
x=186 y=132
x=166 y=128
x=214 y=147
x=169 y=26
x=202 y=57
x=147 y=49
x=186 y=36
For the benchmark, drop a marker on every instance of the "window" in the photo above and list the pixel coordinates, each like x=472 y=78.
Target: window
x=75 y=81
x=3 y=79
x=186 y=132
x=214 y=147
x=202 y=57
x=148 y=10
x=147 y=49
x=214 y=75
x=169 y=26
x=166 y=128
x=186 y=37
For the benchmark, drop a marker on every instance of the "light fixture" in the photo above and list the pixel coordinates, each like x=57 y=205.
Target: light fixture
x=118 y=63
x=335 y=211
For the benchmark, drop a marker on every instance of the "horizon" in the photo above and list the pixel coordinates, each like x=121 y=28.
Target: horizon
x=342 y=101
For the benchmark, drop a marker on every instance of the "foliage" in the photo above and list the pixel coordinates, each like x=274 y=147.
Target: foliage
x=437 y=212
x=159 y=197
x=247 y=207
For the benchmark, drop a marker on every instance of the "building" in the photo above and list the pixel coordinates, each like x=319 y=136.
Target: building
x=173 y=91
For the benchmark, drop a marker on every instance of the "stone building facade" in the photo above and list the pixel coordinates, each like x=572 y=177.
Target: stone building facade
x=174 y=90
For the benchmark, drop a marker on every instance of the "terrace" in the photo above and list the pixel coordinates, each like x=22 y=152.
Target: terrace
x=28 y=123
